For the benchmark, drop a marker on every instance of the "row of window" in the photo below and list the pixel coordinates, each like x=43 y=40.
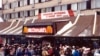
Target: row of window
x=74 y=7
x=20 y=3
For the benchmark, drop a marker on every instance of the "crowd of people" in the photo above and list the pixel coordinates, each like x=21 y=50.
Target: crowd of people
x=20 y=50
x=66 y=50
x=47 y=49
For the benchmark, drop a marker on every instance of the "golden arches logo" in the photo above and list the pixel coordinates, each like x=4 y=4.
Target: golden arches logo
x=25 y=30
x=49 y=29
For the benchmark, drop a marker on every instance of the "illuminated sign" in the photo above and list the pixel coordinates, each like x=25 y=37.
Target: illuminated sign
x=56 y=14
x=38 y=30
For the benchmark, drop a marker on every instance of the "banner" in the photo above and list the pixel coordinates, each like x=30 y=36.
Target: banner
x=56 y=14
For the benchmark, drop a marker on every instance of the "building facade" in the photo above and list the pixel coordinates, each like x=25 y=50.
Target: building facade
x=30 y=9
x=21 y=9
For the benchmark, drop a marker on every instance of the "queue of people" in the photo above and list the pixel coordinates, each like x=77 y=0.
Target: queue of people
x=20 y=50
x=47 y=49
x=66 y=50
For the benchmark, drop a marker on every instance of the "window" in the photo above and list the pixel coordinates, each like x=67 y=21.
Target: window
x=28 y=13
x=21 y=14
x=74 y=6
x=28 y=2
x=9 y=15
x=32 y=13
x=31 y=1
x=53 y=9
x=16 y=15
x=88 y=4
x=5 y=6
x=57 y=8
x=82 y=6
x=39 y=10
x=18 y=3
x=97 y=3
x=21 y=2
x=64 y=7
x=5 y=16
x=92 y=3
x=36 y=1
x=10 y=5
x=36 y=12
x=48 y=9
x=25 y=2
x=43 y=10
x=42 y=0
x=47 y=0
x=13 y=5
x=39 y=1
x=25 y=13
x=69 y=7
x=12 y=15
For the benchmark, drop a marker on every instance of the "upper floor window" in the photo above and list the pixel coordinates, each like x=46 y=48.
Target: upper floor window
x=6 y=6
x=10 y=5
x=39 y=1
x=12 y=15
x=49 y=9
x=25 y=2
x=69 y=7
x=82 y=5
x=36 y=12
x=43 y=10
x=57 y=8
x=74 y=6
x=64 y=7
x=36 y=1
x=31 y=12
x=32 y=1
x=97 y=3
x=16 y=4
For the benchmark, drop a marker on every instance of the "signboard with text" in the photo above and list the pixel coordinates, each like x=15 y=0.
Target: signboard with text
x=56 y=14
x=39 y=30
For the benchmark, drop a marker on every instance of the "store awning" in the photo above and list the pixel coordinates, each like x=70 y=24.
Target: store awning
x=84 y=23
x=4 y=25
x=97 y=32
